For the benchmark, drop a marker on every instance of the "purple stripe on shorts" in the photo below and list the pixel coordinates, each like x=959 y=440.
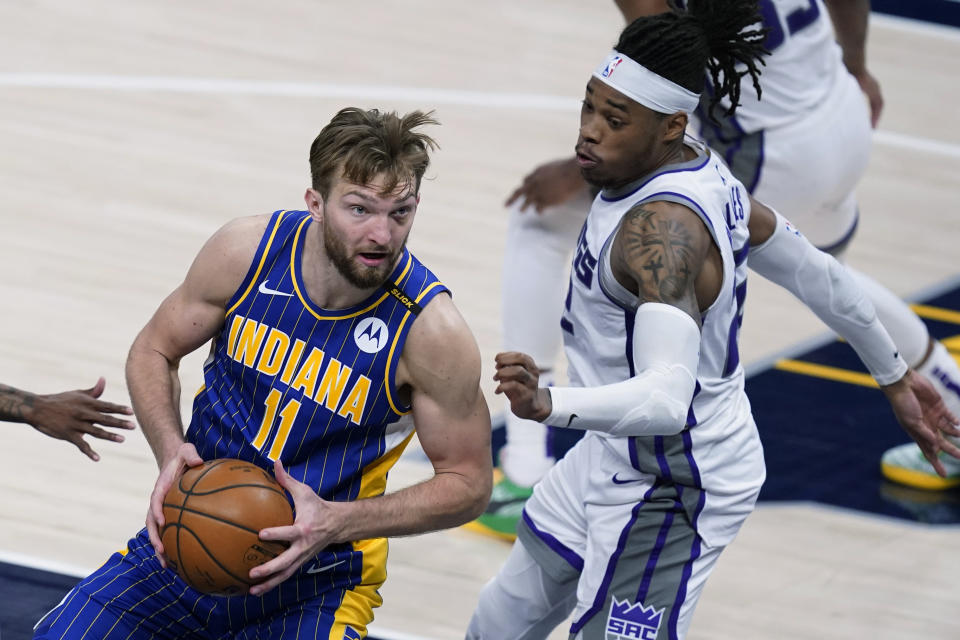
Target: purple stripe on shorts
x=682 y=591
x=608 y=576
x=558 y=547
x=688 y=451
x=662 y=458
x=654 y=556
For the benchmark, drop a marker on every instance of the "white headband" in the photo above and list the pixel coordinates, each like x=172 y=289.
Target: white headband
x=638 y=83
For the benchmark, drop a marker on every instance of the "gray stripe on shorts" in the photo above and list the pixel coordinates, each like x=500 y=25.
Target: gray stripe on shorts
x=646 y=569
x=672 y=465
x=553 y=564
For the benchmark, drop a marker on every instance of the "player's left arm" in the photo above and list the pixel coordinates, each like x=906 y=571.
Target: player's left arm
x=441 y=364
x=69 y=415
x=784 y=256
x=850 y=18
x=658 y=253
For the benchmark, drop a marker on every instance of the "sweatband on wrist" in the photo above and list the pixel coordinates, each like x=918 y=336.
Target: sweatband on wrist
x=638 y=83
x=788 y=259
x=666 y=354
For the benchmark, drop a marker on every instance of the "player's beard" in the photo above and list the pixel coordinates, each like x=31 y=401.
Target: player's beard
x=357 y=274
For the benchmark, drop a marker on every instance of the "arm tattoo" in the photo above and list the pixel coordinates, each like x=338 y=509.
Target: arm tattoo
x=660 y=252
x=15 y=404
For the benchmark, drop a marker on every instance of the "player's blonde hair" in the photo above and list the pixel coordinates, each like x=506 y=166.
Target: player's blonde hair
x=368 y=143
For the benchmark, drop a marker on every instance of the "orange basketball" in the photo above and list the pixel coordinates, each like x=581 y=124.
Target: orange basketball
x=212 y=520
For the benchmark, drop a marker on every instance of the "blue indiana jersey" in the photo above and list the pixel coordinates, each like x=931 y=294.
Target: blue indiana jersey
x=288 y=380
x=316 y=389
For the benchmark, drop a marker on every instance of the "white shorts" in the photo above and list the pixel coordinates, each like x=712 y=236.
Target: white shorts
x=807 y=170
x=625 y=536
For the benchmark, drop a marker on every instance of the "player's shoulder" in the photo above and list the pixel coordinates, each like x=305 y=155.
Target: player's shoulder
x=238 y=237
x=243 y=228
x=440 y=338
x=652 y=219
x=225 y=257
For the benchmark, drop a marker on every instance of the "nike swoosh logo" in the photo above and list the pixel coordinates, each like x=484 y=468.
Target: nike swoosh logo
x=263 y=288
x=628 y=481
x=316 y=569
x=573 y=416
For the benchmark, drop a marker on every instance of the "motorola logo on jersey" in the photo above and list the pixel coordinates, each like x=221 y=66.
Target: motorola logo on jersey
x=371 y=335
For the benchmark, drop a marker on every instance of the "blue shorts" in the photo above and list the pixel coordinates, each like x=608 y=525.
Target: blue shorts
x=131 y=597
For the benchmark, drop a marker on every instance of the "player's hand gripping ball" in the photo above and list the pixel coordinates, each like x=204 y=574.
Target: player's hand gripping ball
x=212 y=520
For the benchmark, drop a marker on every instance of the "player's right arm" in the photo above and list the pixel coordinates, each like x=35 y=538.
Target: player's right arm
x=782 y=255
x=190 y=316
x=659 y=254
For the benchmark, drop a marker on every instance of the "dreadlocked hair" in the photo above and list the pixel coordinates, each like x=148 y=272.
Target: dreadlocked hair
x=712 y=36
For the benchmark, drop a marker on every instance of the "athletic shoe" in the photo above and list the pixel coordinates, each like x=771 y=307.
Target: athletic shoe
x=503 y=514
x=906 y=465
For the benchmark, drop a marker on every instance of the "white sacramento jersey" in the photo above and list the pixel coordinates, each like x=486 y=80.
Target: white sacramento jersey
x=800 y=71
x=718 y=455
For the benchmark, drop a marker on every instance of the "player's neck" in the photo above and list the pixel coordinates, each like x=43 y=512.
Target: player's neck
x=679 y=156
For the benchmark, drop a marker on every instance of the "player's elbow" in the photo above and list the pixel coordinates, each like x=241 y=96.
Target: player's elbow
x=661 y=414
x=477 y=496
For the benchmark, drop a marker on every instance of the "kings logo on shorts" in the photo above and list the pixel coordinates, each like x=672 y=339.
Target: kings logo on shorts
x=633 y=621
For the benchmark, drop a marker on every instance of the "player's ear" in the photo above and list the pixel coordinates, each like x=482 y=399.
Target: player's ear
x=675 y=124
x=314 y=204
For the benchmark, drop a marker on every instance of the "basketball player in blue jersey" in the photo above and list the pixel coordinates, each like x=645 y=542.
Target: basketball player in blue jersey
x=330 y=343
x=69 y=415
x=625 y=529
x=811 y=122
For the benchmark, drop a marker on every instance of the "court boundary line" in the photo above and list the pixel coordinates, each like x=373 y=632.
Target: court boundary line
x=388 y=93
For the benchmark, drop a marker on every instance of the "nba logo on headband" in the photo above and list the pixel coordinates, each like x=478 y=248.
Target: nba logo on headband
x=608 y=70
x=644 y=86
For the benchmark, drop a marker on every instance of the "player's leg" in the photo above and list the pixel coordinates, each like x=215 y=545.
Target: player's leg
x=535 y=268
x=535 y=590
x=523 y=601
x=131 y=597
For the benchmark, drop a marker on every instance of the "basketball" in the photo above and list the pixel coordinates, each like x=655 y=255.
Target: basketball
x=212 y=518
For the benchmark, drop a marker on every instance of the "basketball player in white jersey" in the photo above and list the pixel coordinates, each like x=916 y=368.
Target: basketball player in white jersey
x=624 y=530
x=813 y=85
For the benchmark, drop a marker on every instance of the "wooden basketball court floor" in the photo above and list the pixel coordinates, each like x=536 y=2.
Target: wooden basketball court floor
x=131 y=130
